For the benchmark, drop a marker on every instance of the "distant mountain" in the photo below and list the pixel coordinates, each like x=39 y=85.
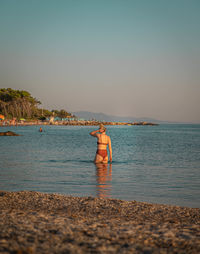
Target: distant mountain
x=109 y=118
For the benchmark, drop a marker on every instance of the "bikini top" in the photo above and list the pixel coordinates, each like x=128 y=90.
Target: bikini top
x=101 y=143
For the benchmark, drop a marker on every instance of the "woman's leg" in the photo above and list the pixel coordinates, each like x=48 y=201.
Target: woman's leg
x=105 y=160
x=98 y=158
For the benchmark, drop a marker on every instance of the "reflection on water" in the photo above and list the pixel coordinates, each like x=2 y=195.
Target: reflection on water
x=104 y=178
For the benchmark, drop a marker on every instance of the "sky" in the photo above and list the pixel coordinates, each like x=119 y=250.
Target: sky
x=136 y=58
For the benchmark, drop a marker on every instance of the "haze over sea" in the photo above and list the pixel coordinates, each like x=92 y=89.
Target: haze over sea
x=158 y=164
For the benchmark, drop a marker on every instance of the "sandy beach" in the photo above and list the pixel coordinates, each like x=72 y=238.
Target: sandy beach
x=33 y=222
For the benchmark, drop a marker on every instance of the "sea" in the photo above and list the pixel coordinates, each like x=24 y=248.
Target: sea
x=154 y=164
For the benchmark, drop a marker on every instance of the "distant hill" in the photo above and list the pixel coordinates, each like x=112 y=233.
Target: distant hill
x=103 y=117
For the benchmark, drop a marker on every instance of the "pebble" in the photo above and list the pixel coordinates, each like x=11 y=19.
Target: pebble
x=34 y=222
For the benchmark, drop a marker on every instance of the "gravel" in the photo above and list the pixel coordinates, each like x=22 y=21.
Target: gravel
x=34 y=222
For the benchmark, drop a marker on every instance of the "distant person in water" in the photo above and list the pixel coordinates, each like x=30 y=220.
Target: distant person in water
x=40 y=130
x=102 y=141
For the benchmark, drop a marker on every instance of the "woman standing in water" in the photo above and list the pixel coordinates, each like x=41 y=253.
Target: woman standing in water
x=102 y=141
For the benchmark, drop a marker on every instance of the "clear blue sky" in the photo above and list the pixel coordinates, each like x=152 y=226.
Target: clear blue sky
x=136 y=58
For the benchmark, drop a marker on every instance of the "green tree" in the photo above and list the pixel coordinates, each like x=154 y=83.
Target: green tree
x=16 y=103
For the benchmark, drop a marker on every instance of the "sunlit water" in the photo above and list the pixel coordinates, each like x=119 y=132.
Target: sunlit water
x=157 y=164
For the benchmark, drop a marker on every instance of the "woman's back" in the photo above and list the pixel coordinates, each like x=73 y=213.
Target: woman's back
x=103 y=139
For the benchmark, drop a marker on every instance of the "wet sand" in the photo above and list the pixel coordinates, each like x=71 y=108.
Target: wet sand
x=33 y=222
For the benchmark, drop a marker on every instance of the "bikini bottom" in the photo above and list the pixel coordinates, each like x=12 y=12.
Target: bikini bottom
x=102 y=153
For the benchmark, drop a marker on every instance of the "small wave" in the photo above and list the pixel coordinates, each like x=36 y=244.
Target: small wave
x=122 y=162
x=52 y=161
x=77 y=161
x=84 y=161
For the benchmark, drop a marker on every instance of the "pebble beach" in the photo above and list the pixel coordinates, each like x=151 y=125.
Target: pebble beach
x=34 y=222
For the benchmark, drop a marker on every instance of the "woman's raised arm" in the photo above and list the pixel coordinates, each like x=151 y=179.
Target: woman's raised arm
x=94 y=133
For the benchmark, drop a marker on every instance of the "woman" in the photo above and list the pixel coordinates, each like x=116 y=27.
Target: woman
x=102 y=141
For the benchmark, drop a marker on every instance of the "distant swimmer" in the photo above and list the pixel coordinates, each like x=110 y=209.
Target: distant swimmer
x=40 y=130
x=102 y=141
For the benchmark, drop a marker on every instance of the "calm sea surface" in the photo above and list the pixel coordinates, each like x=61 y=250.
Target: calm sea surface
x=157 y=164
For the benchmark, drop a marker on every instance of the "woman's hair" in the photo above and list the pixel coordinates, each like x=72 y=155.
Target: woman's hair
x=102 y=127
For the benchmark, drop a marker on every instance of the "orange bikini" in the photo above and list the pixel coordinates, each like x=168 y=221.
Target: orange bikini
x=102 y=153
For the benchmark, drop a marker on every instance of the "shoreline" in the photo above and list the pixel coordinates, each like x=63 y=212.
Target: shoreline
x=74 y=123
x=35 y=222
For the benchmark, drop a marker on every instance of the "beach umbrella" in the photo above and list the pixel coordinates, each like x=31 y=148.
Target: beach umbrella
x=2 y=117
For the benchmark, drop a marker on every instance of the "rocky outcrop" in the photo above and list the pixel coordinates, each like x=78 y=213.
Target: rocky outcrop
x=145 y=123
x=8 y=133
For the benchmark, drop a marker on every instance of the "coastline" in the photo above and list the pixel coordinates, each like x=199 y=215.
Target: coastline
x=72 y=123
x=34 y=222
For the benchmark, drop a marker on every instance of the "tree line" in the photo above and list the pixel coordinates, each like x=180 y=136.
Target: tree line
x=20 y=104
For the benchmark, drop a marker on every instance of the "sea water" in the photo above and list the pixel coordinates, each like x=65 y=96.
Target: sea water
x=157 y=164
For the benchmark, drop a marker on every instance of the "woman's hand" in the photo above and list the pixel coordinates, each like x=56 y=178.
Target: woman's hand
x=93 y=133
